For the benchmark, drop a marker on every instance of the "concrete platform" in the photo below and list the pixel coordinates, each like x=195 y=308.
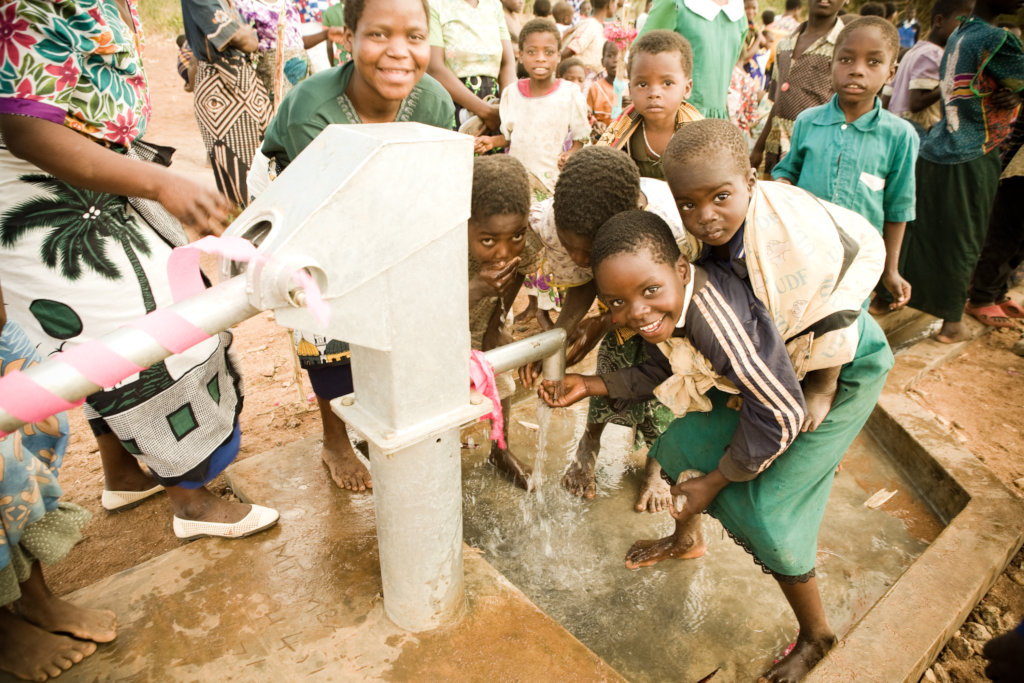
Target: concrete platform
x=302 y=602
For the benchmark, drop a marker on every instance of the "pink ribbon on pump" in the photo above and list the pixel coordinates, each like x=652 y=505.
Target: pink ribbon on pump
x=29 y=402
x=481 y=378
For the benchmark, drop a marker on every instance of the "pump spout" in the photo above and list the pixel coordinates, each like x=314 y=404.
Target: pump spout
x=548 y=347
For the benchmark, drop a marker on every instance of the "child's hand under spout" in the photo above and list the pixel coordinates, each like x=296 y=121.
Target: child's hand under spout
x=570 y=390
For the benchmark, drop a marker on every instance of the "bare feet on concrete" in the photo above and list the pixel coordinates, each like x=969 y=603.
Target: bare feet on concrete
x=806 y=653
x=32 y=654
x=952 y=332
x=42 y=608
x=686 y=543
x=579 y=478
x=656 y=494
x=346 y=469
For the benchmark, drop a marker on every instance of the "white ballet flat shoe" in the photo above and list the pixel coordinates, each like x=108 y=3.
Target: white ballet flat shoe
x=120 y=500
x=258 y=519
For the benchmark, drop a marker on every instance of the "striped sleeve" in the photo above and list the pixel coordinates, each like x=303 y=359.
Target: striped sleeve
x=733 y=330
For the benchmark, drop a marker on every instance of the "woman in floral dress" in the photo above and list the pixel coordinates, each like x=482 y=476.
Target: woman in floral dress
x=86 y=229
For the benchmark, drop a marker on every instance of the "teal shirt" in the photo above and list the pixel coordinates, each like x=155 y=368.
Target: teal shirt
x=320 y=100
x=866 y=166
x=716 y=46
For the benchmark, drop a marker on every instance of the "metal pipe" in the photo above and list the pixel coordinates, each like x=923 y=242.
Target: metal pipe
x=547 y=346
x=213 y=310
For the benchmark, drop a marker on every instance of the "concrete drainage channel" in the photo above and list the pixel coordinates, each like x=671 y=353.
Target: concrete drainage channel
x=906 y=629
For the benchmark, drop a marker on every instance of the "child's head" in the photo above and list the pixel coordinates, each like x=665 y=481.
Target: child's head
x=542 y=8
x=767 y=17
x=540 y=46
x=864 y=59
x=707 y=167
x=750 y=7
x=562 y=12
x=640 y=274
x=573 y=70
x=946 y=17
x=499 y=209
x=595 y=184
x=825 y=9
x=660 y=64
x=387 y=70
x=793 y=5
x=610 y=58
x=872 y=9
x=587 y=8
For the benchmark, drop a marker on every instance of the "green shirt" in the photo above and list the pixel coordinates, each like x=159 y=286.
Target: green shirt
x=866 y=166
x=320 y=100
x=716 y=34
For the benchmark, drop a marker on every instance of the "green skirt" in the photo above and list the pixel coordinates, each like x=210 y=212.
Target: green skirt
x=776 y=516
x=942 y=246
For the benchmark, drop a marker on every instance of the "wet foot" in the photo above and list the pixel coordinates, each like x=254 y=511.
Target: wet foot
x=579 y=479
x=674 y=547
x=52 y=614
x=801 y=659
x=951 y=333
x=33 y=654
x=656 y=494
x=519 y=471
x=347 y=470
x=818 y=405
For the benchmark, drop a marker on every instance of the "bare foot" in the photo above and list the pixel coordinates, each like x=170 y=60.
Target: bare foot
x=952 y=332
x=512 y=466
x=818 y=406
x=121 y=470
x=801 y=659
x=579 y=476
x=52 y=614
x=656 y=495
x=685 y=544
x=32 y=654
x=347 y=470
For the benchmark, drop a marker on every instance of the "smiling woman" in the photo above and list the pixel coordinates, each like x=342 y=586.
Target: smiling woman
x=385 y=81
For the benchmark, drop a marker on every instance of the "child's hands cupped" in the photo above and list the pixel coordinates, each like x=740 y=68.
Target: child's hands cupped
x=529 y=373
x=898 y=287
x=499 y=275
x=198 y=207
x=561 y=394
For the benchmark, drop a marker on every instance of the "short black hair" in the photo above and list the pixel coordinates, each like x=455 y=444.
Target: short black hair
x=872 y=9
x=567 y=64
x=539 y=26
x=354 y=12
x=767 y=17
x=632 y=232
x=705 y=139
x=793 y=4
x=890 y=8
x=542 y=8
x=950 y=8
x=890 y=36
x=560 y=8
x=663 y=40
x=597 y=4
x=500 y=186
x=596 y=183
x=609 y=45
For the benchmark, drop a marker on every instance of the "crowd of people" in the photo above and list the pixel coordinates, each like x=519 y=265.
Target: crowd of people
x=720 y=202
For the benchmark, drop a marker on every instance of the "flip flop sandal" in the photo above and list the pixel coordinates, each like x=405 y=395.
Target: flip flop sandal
x=1011 y=308
x=992 y=315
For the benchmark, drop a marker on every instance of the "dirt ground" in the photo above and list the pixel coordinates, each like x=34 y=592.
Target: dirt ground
x=977 y=397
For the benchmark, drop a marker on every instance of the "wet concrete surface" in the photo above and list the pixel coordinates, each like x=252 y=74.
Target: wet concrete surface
x=679 y=620
x=302 y=602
